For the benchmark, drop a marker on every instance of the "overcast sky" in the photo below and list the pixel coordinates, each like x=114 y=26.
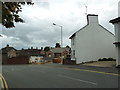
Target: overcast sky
x=39 y=31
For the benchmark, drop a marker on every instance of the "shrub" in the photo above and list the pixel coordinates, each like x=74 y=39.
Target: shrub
x=106 y=59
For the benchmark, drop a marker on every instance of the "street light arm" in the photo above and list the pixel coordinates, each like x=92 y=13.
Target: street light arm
x=57 y=25
x=54 y=24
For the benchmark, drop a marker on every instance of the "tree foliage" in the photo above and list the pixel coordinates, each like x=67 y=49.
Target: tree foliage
x=10 y=13
x=57 y=45
x=46 y=49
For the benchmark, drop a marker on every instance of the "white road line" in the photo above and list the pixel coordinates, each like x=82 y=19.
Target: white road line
x=42 y=71
x=37 y=70
x=77 y=79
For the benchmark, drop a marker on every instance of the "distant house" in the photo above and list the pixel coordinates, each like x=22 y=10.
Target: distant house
x=49 y=54
x=31 y=52
x=59 y=52
x=8 y=52
x=92 y=42
x=36 y=59
x=12 y=53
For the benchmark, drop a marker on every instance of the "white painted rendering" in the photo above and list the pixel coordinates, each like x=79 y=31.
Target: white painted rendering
x=93 y=42
x=36 y=59
x=117 y=32
x=119 y=9
x=73 y=47
x=117 y=39
x=117 y=55
x=116 y=23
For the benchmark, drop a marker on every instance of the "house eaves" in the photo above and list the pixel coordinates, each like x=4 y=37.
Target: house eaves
x=106 y=29
x=72 y=36
x=116 y=20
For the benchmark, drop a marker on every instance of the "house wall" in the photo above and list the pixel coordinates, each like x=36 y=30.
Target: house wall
x=117 y=55
x=49 y=54
x=35 y=59
x=119 y=9
x=94 y=42
x=18 y=60
x=117 y=32
x=12 y=53
x=117 y=39
x=65 y=53
x=73 y=47
x=4 y=58
x=0 y=62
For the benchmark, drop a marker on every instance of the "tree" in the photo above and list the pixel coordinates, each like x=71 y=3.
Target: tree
x=67 y=46
x=10 y=13
x=46 y=49
x=57 y=45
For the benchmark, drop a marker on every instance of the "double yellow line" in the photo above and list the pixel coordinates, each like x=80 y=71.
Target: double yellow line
x=3 y=83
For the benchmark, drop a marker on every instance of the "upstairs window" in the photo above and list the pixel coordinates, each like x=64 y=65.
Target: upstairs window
x=73 y=53
x=73 y=41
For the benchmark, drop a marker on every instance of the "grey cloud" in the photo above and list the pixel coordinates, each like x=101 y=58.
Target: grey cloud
x=43 y=4
x=39 y=32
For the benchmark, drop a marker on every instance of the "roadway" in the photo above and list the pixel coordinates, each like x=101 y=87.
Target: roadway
x=56 y=76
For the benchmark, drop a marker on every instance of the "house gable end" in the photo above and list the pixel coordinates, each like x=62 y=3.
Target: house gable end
x=77 y=32
x=106 y=30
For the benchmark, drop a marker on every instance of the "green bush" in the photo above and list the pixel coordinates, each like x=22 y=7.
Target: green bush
x=106 y=59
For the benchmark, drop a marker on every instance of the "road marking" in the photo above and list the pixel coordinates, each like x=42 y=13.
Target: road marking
x=42 y=71
x=1 y=83
x=114 y=74
x=78 y=79
x=4 y=83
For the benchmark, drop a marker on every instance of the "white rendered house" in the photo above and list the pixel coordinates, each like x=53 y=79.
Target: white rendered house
x=116 y=23
x=92 y=42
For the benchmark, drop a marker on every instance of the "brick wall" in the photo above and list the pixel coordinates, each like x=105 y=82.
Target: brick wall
x=18 y=60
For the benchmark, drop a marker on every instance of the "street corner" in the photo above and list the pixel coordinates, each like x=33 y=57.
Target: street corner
x=3 y=83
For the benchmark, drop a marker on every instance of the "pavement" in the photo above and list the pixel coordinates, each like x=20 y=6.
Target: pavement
x=102 y=63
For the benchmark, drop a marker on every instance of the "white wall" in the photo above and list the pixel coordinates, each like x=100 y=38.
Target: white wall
x=119 y=9
x=35 y=59
x=117 y=32
x=117 y=55
x=117 y=39
x=0 y=62
x=73 y=47
x=94 y=42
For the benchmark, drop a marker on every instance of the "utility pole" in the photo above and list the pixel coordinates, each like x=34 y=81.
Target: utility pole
x=61 y=33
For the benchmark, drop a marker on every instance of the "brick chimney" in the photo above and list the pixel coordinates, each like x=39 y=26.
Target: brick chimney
x=7 y=45
x=31 y=47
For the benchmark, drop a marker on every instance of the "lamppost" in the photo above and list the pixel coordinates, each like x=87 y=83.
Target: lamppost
x=61 y=33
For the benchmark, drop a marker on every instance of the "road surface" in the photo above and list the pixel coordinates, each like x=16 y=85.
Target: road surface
x=45 y=76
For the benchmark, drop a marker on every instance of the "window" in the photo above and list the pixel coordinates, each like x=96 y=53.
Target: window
x=73 y=41
x=73 y=53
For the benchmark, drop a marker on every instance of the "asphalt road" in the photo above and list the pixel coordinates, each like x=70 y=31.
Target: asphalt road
x=48 y=76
